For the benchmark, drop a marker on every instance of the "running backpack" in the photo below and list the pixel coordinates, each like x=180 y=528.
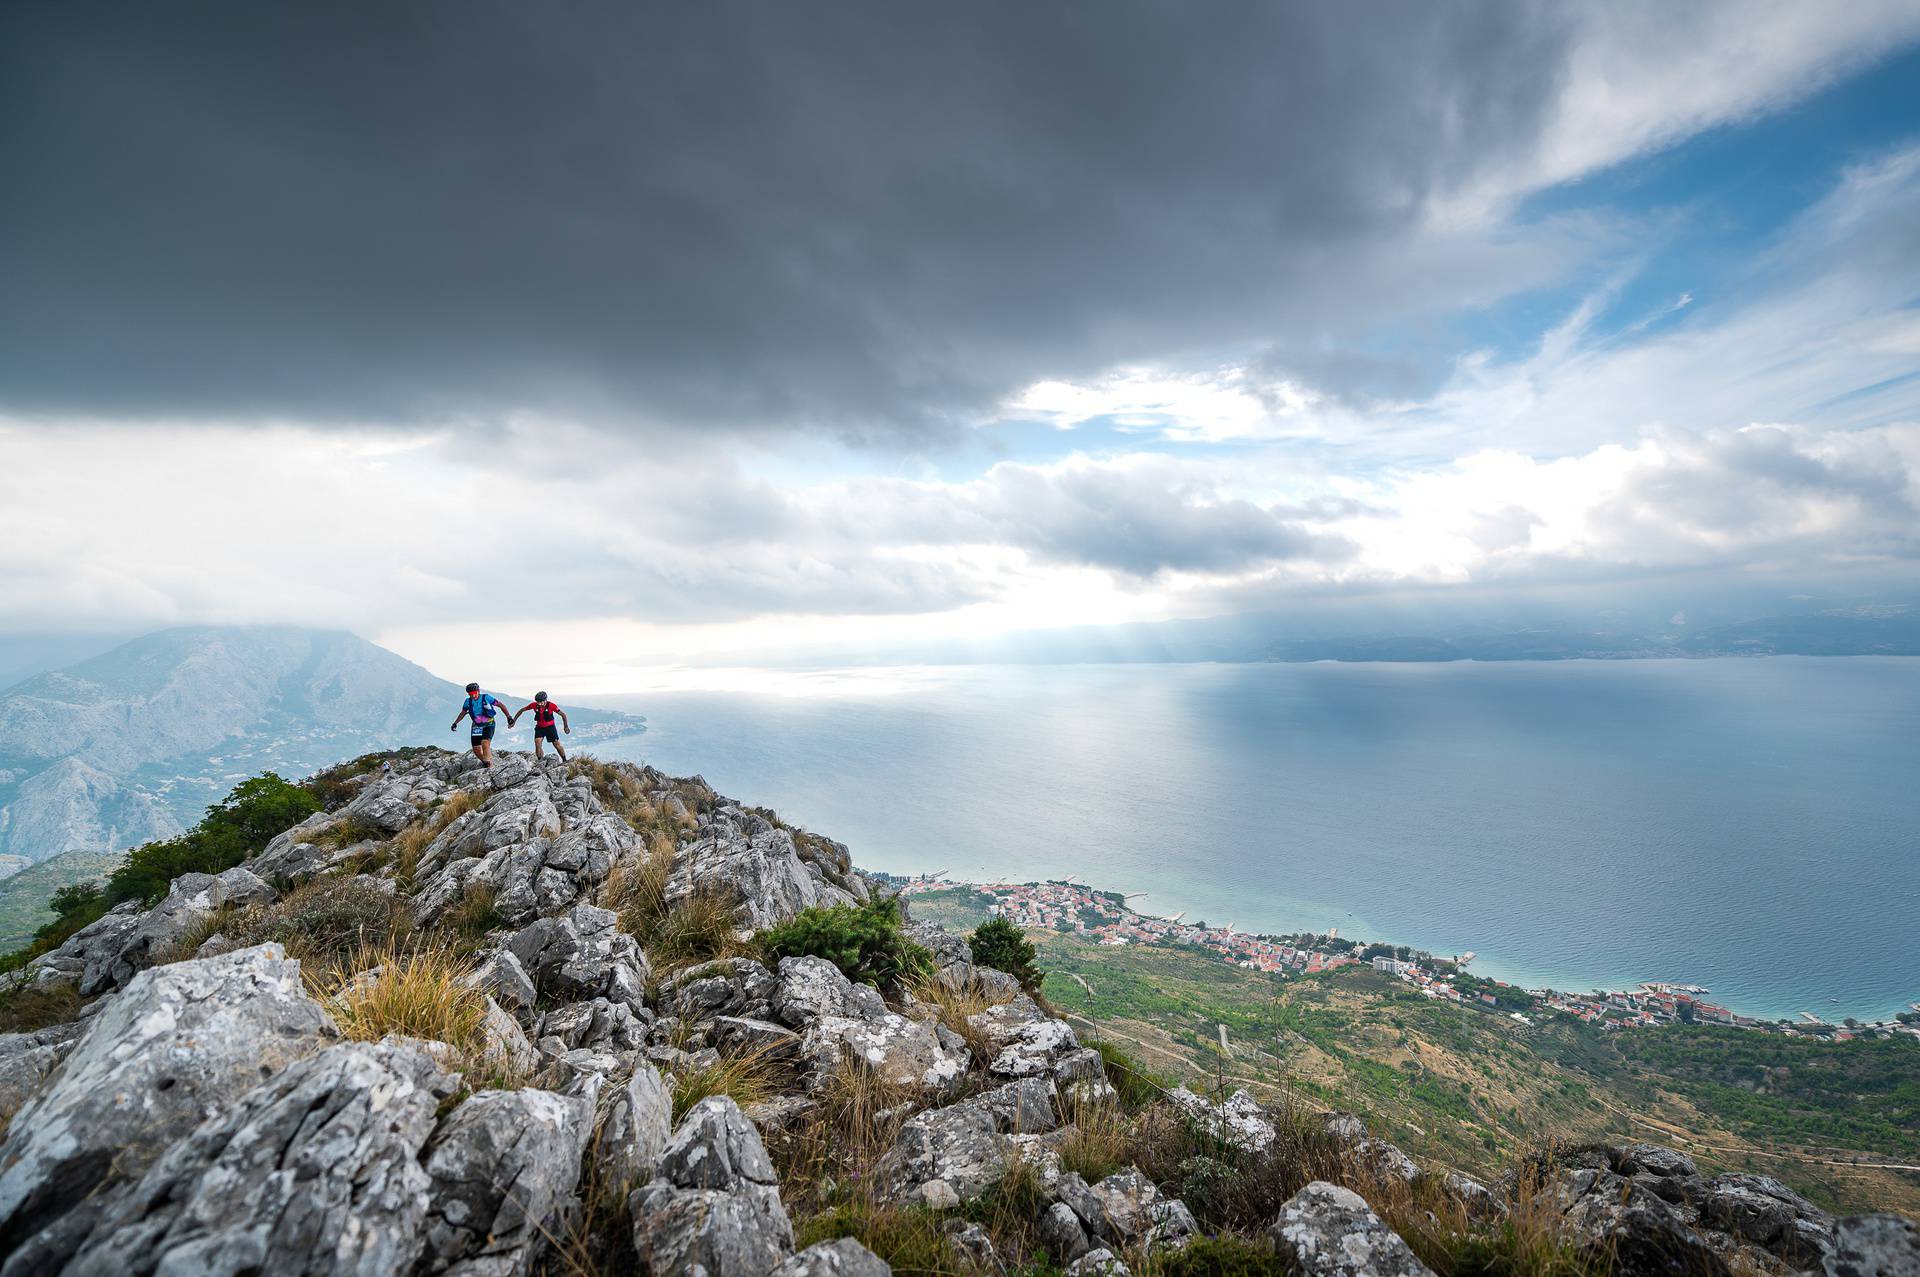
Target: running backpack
x=481 y=707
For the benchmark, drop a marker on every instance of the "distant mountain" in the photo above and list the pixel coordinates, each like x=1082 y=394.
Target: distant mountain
x=24 y=895
x=133 y=744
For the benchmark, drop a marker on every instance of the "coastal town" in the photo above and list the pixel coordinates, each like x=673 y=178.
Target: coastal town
x=1104 y=917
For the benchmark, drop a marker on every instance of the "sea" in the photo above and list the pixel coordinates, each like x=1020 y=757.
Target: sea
x=1749 y=825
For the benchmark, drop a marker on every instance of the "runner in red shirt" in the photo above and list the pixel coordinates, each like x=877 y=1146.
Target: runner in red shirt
x=544 y=711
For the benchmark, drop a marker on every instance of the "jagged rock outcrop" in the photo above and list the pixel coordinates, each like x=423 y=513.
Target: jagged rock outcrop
x=966 y=1148
x=502 y=1169
x=204 y=1116
x=1328 y=1231
x=843 y=1257
x=637 y=1128
x=1238 y=1120
x=176 y=1046
x=314 y=1172
x=1874 y=1246
x=714 y=1207
x=1126 y=1209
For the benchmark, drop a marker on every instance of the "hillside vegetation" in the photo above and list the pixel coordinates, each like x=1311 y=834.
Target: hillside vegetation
x=1473 y=1088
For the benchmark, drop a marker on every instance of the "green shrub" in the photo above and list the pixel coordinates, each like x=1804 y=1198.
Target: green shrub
x=1138 y=1085
x=231 y=831
x=864 y=941
x=239 y=827
x=908 y=1239
x=999 y=944
x=1223 y=1256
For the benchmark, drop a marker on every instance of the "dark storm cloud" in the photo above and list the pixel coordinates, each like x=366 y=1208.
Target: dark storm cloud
x=867 y=217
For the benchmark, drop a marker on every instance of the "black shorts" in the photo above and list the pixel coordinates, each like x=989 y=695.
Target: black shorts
x=483 y=733
x=549 y=732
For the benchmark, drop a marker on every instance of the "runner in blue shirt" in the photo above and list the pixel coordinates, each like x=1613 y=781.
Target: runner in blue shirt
x=482 y=708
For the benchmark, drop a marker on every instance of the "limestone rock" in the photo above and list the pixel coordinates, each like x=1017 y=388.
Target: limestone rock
x=500 y=974
x=503 y=1166
x=760 y=872
x=1329 y=1231
x=1610 y=1217
x=972 y=1241
x=87 y=955
x=1874 y=1246
x=842 y=1257
x=902 y=1052
x=970 y=1144
x=1479 y=1200
x=580 y=954
x=1239 y=1121
x=27 y=1058
x=1026 y=1040
x=1125 y=1208
x=179 y=1044
x=637 y=1127
x=1761 y=1210
x=730 y=986
x=313 y=1172
x=597 y=1024
x=1062 y=1234
x=1098 y=1263
x=713 y=1209
x=813 y=989
x=506 y=1042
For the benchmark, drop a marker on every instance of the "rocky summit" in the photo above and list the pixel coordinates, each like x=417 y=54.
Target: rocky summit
x=585 y=1018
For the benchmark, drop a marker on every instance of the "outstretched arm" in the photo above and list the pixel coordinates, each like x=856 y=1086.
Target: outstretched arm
x=513 y=715
x=457 y=717
x=564 y=724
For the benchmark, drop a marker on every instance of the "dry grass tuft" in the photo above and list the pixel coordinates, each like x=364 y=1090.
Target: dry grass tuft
x=454 y=806
x=39 y=1006
x=748 y=1078
x=325 y=921
x=471 y=917
x=954 y=1006
x=698 y=929
x=1099 y=1140
x=418 y=994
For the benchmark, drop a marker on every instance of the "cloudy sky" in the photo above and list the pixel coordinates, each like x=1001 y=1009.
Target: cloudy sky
x=693 y=332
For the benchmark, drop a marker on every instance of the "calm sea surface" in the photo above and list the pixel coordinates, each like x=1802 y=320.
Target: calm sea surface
x=1749 y=825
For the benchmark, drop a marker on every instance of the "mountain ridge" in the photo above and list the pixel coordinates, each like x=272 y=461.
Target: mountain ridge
x=132 y=744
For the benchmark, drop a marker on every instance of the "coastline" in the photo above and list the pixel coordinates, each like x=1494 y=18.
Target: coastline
x=1105 y=916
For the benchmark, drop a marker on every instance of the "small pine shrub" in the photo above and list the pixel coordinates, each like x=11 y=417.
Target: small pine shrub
x=864 y=941
x=999 y=944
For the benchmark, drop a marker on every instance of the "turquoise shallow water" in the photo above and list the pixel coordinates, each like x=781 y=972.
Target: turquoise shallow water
x=1749 y=825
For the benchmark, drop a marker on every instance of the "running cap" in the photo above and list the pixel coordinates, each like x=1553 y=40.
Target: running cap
x=539 y=696
x=473 y=687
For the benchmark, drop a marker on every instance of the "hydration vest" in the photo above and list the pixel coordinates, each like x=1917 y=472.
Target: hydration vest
x=543 y=714
x=480 y=708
